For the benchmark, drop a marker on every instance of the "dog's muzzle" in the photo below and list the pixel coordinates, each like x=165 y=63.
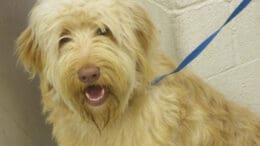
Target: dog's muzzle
x=95 y=95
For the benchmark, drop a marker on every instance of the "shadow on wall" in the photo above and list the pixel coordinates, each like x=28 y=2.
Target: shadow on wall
x=21 y=120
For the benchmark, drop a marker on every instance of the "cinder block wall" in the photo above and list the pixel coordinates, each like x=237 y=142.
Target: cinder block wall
x=232 y=62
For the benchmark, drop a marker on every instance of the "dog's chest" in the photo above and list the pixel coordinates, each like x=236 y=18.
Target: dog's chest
x=71 y=132
x=123 y=135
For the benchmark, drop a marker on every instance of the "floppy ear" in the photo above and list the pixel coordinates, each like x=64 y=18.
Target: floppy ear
x=145 y=31
x=146 y=36
x=28 y=52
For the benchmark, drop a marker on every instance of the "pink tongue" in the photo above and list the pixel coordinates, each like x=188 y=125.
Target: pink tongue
x=94 y=92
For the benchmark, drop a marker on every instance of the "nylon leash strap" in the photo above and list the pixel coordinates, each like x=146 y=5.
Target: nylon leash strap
x=195 y=53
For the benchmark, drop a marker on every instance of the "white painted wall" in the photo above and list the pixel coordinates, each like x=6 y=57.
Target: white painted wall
x=232 y=62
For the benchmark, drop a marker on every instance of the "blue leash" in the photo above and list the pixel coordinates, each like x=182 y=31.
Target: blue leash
x=203 y=45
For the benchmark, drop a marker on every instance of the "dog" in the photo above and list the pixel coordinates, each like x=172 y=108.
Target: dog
x=96 y=59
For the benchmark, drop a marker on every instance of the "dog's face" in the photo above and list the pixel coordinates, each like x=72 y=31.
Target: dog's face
x=94 y=53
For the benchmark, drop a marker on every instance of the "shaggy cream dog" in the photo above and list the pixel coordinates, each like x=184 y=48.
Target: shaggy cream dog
x=96 y=60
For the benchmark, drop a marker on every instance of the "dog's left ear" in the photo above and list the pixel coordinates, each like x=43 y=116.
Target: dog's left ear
x=145 y=29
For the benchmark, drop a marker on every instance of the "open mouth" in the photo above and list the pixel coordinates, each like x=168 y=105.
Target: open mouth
x=96 y=95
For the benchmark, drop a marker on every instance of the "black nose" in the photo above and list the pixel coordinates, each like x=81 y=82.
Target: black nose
x=89 y=74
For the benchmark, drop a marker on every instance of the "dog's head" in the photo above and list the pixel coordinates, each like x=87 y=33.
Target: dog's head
x=94 y=53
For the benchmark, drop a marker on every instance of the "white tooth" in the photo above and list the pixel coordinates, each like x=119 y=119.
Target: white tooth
x=87 y=95
x=102 y=92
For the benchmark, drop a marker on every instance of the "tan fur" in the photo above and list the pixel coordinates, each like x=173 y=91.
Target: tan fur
x=181 y=111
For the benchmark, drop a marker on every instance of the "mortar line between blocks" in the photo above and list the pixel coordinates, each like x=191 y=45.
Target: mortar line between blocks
x=194 y=6
x=232 y=68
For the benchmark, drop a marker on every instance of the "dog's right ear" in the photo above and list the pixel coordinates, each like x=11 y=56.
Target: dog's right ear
x=28 y=52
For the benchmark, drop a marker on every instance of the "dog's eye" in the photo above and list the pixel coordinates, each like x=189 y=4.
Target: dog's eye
x=64 y=40
x=103 y=31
